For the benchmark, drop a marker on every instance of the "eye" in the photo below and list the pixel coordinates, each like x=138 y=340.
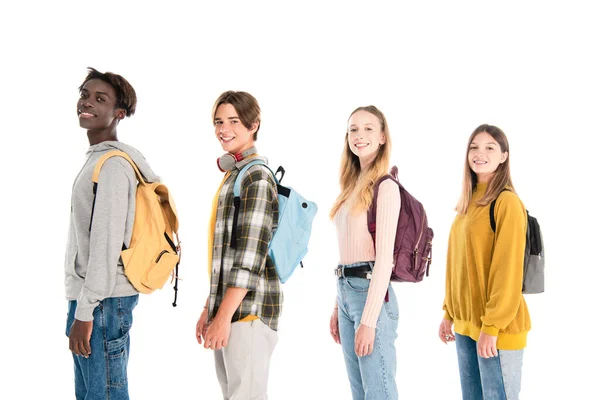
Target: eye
x=473 y=148
x=100 y=100
x=234 y=121
x=82 y=95
x=368 y=129
x=490 y=148
x=352 y=130
x=218 y=122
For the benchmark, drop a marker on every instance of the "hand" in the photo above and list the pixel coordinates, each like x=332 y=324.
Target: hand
x=445 y=331
x=363 y=340
x=486 y=345
x=79 y=338
x=202 y=326
x=217 y=334
x=334 y=327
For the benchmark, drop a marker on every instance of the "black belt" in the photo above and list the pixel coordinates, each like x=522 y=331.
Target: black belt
x=363 y=271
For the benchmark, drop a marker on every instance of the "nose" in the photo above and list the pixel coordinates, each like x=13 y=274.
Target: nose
x=224 y=127
x=86 y=103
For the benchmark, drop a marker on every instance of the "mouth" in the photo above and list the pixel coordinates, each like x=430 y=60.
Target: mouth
x=226 y=139
x=479 y=162
x=85 y=114
x=361 y=145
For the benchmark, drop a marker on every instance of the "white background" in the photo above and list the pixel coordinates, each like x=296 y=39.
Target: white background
x=437 y=70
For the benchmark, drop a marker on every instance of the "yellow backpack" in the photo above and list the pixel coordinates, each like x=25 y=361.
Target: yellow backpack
x=152 y=255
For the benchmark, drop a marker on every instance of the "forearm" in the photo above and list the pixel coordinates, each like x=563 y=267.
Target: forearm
x=231 y=302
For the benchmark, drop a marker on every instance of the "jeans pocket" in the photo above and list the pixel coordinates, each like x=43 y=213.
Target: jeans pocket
x=391 y=309
x=360 y=285
x=117 y=353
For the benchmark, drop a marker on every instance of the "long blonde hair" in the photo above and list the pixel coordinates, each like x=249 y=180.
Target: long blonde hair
x=357 y=185
x=500 y=180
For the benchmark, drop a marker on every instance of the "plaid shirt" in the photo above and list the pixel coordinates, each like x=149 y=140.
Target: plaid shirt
x=249 y=266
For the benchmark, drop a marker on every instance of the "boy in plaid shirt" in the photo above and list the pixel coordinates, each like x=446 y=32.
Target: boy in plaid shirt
x=239 y=320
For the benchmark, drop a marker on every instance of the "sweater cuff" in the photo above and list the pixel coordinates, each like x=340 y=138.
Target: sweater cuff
x=447 y=316
x=490 y=330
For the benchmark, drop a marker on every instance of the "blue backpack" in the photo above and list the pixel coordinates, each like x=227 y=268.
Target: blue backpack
x=289 y=243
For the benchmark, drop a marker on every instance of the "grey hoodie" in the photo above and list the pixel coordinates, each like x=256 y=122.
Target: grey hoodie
x=93 y=266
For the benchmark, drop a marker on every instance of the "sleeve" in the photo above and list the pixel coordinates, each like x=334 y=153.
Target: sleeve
x=505 y=279
x=388 y=210
x=106 y=235
x=255 y=223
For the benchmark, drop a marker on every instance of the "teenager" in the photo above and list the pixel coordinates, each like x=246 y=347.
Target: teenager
x=100 y=297
x=364 y=318
x=484 y=274
x=241 y=313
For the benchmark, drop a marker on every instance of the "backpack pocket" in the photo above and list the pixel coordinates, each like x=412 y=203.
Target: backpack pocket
x=159 y=272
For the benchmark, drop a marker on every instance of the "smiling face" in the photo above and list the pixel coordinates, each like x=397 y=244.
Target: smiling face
x=485 y=155
x=365 y=136
x=231 y=132
x=96 y=106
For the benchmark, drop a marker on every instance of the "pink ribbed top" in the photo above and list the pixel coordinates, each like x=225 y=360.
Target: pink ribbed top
x=356 y=244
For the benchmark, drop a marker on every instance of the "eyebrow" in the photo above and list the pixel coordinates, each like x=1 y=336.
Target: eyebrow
x=492 y=143
x=219 y=119
x=97 y=93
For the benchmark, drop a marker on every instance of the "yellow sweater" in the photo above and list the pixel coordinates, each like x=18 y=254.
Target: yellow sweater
x=484 y=272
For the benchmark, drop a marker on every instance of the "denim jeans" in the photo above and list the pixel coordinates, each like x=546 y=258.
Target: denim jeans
x=494 y=378
x=372 y=377
x=104 y=374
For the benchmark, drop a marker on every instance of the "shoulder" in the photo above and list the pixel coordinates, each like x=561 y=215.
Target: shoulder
x=508 y=199
x=117 y=166
x=388 y=189
x=258 y=175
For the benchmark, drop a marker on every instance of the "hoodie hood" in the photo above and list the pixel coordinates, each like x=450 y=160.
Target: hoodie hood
x=135 y=155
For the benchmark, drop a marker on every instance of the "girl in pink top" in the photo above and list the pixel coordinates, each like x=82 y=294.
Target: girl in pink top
x=365 y=317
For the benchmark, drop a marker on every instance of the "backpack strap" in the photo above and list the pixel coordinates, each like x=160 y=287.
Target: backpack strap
x=492 y=206
x=115 y=153
x=237 y=186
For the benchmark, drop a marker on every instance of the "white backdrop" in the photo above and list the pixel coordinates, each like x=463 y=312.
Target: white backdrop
x=437 y=70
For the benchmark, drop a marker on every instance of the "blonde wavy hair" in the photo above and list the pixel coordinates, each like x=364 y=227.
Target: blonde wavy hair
x=357 y=185
x=500 y=180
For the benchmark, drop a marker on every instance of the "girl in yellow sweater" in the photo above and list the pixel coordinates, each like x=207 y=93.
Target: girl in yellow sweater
x=484 y=274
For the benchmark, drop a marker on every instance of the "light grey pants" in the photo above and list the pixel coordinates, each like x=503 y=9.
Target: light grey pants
x=243 y=365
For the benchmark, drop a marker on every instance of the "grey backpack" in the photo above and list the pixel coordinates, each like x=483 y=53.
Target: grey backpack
x=533 y=262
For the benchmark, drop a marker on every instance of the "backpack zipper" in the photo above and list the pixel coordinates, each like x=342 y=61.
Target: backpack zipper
x=160 y=255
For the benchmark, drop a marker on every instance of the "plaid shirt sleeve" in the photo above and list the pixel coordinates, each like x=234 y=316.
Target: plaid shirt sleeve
x=255 y=228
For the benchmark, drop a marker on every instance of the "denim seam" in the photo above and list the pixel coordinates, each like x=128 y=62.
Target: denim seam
x=383 y=369
x=106 y=358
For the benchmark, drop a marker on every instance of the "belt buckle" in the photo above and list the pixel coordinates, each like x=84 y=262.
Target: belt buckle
x=338 y=272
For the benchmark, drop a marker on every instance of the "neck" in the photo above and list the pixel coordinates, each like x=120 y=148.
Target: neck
x=484 y=178
x=247 y=150
x=365 y=163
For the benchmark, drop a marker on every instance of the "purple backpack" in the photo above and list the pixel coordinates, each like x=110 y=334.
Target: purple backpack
x=412 y=250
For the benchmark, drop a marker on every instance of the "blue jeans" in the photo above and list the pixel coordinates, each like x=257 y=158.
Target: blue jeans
x=495 y=378
x=372 y=377
x=104 y=374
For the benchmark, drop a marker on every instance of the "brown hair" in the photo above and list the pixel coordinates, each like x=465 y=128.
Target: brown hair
x=245 y=105
x=500 y=180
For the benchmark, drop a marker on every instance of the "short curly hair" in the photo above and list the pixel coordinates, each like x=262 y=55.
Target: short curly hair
x=126 y=97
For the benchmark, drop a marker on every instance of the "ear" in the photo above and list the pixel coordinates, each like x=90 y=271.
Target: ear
x=254 y=127
x=382 y=139
x=120 y=113
x=504 y=157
